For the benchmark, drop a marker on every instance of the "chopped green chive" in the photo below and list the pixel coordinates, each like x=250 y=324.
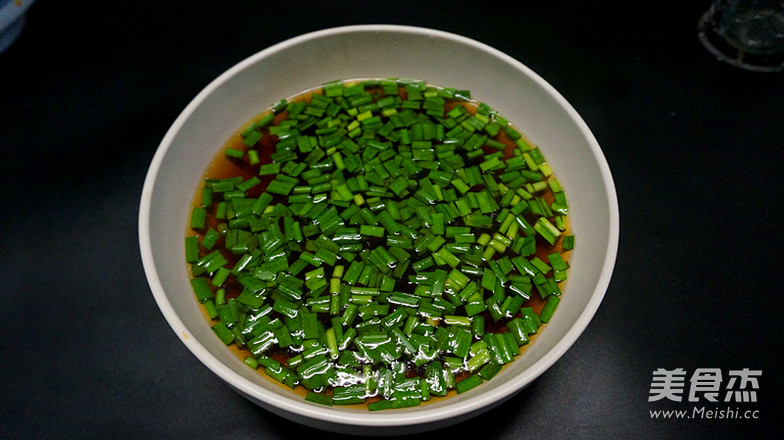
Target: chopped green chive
x=389 y=222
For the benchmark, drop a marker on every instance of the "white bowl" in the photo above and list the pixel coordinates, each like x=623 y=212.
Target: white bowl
x=372 y=51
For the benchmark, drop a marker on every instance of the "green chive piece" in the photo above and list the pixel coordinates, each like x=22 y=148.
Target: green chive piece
x=468 y=383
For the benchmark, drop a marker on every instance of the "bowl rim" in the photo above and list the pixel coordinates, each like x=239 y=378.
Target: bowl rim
x=427 y=413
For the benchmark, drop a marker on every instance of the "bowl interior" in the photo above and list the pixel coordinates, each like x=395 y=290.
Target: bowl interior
x=241 y=93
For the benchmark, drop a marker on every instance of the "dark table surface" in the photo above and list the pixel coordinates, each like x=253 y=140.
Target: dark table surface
x=695 y=146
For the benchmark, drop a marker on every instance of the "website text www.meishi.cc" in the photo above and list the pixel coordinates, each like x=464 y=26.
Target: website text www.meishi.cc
x=707 y=413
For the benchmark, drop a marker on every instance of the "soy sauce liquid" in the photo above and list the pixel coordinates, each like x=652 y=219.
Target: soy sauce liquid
x=223 y=166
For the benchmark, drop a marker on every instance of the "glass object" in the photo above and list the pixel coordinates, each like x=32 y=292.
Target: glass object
x=12 y=20
x=745 y=33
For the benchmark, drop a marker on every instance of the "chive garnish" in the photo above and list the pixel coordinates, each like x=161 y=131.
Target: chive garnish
x=394 y=227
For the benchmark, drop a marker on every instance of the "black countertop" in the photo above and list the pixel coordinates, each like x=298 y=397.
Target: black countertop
x=695 y=147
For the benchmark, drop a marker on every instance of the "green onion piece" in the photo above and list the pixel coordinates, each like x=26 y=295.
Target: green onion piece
x=223 y=332
x=202 y=289
x=198 y=218
x=549 y=308
x=191 y=249
x=319 y=398
x=468 y=383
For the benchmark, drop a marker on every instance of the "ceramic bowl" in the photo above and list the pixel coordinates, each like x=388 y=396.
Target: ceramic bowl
x=352 y=52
